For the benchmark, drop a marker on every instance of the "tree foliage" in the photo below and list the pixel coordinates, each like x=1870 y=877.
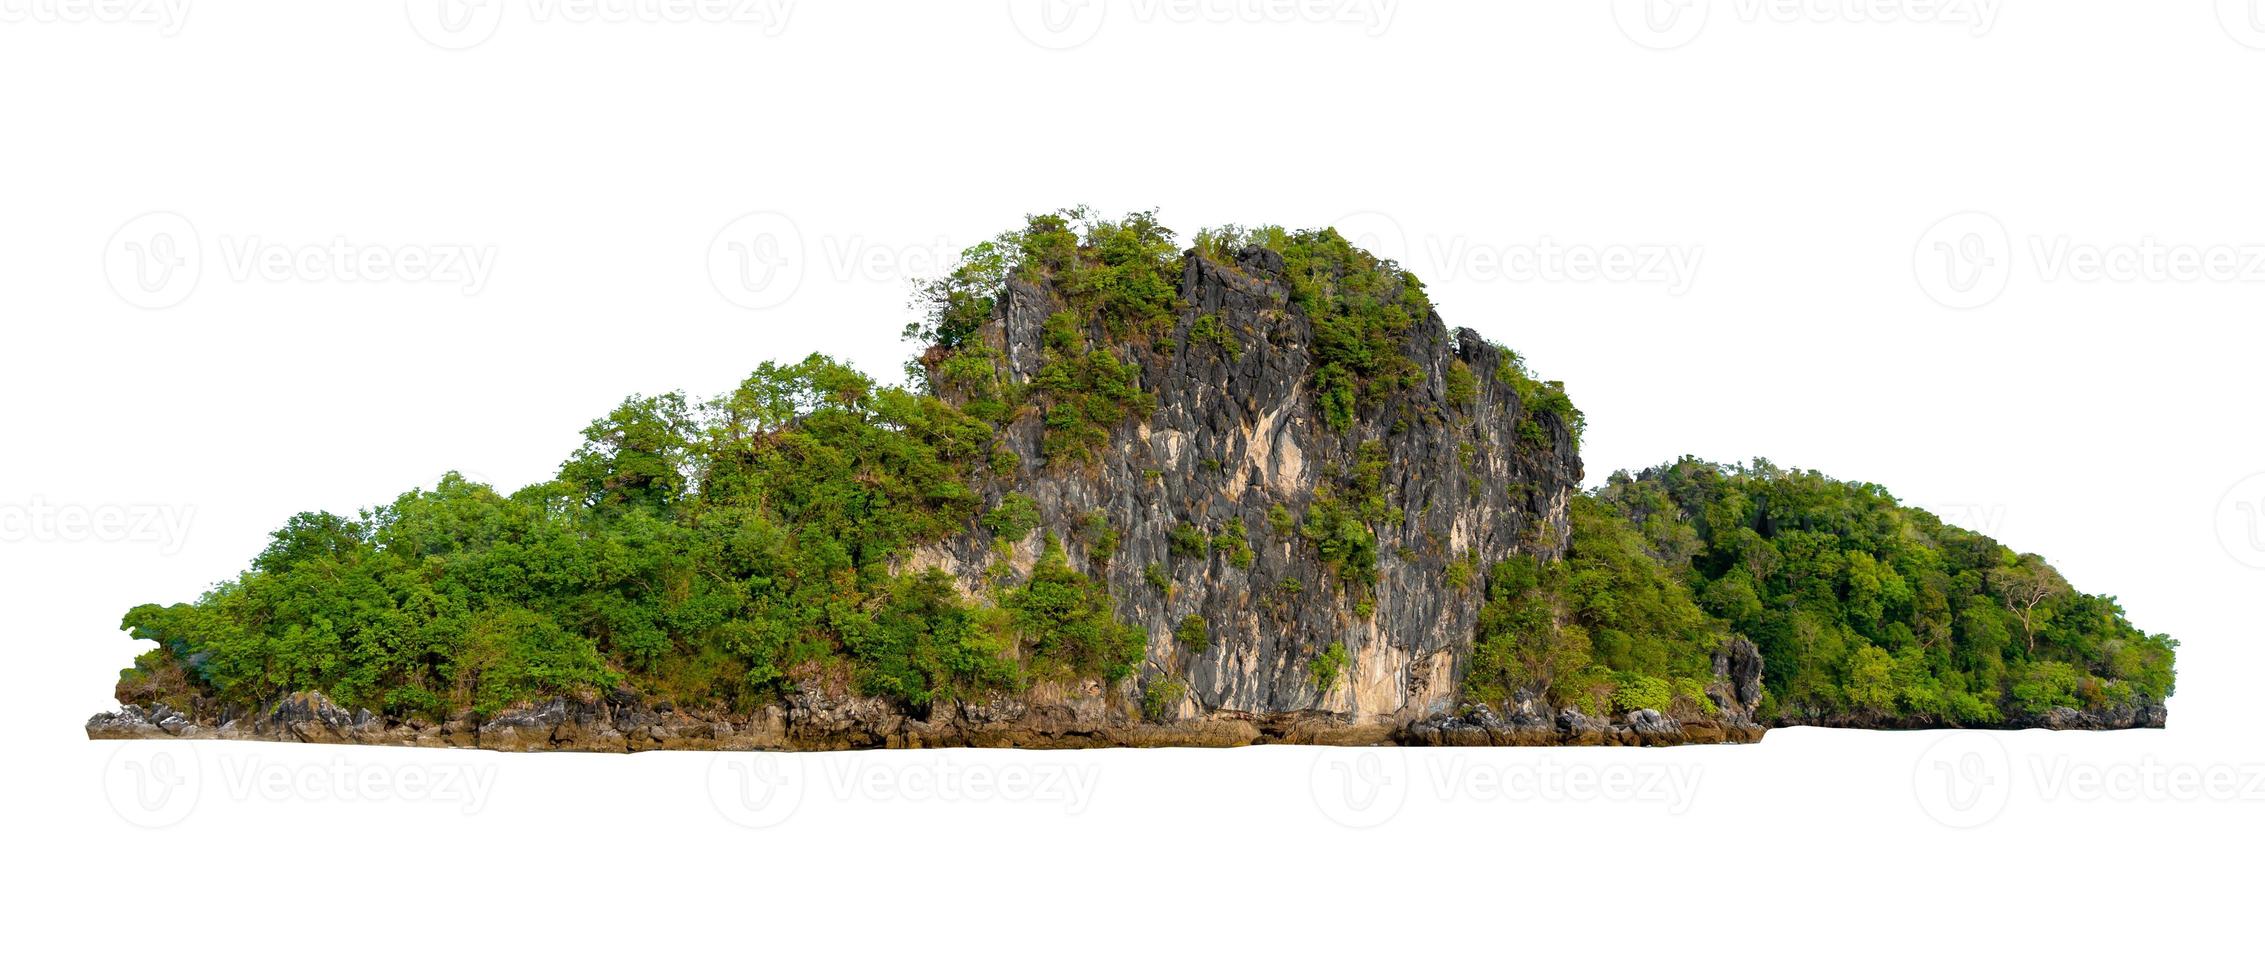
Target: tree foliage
x=1868 y=611
x=706 y=554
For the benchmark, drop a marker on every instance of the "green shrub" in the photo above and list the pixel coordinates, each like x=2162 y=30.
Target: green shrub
x=1462 y=385
x=1100 y=538
x=1192 y=633
x=1188 y=542
x=1327 y=669
x=1069 y=622
x=1160 y=697
x=1155 y=577
x=1233 y=539
x=1209 y=330
x=1014 y=518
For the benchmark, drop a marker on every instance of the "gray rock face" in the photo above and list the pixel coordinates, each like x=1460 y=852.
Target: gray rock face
x=1737 y=689
x=1235 y=435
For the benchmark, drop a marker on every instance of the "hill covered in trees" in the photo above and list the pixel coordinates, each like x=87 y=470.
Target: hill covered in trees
x=1134 y=493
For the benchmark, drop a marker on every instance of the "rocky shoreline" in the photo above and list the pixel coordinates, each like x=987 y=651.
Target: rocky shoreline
x=812 y=723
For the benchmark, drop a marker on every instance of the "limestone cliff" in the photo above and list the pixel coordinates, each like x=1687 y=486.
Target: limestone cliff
x=1234 y=437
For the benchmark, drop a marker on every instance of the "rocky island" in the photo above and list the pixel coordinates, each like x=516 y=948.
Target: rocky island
x=1135 y=493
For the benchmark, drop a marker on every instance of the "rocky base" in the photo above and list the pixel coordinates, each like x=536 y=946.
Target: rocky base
x=817 y=723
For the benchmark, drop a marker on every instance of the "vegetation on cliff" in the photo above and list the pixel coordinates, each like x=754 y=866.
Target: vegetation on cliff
x=719 y=553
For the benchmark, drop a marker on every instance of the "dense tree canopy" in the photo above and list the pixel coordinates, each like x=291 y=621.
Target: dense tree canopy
x=1871 y=612
x=702 y=553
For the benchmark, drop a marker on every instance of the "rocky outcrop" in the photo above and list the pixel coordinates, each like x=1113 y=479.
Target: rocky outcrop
x=1235 y=437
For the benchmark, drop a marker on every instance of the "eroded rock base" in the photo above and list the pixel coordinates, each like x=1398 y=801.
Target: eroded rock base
x=813 y=723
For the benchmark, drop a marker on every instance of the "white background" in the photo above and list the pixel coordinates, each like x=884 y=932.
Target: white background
x=2105 y=418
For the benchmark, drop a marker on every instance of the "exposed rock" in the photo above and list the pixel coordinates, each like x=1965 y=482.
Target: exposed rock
x=1235 y=435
